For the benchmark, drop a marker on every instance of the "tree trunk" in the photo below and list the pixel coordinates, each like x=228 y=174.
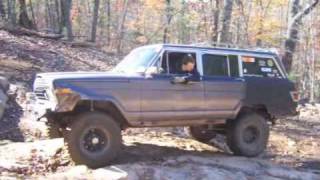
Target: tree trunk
x=24 y=19
x=168 y=18
x=121 y=26
x=225 y=20
x=2 y=11
x=66 y=6
x=95 y=20
x=215 y=13
x=293 y=31
x=12 y=12
x=109 y=22
x=52 y=16
x=58 y=15
x=32 y=14
x=62 y=16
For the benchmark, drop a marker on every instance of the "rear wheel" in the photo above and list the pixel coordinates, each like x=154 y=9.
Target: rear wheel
x=201 y=133
x=248 y=135
x=94 y=139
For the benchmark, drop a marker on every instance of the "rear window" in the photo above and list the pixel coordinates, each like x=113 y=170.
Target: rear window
x=260 y=67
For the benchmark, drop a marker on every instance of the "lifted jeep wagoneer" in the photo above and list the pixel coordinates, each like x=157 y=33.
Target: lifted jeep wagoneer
x=239 y=93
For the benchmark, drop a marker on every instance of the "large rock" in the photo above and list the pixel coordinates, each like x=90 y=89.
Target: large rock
x=4 y=87
x=3 y=103
x=4 y=84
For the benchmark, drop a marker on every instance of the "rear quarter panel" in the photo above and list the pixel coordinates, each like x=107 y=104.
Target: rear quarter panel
x=273 y=93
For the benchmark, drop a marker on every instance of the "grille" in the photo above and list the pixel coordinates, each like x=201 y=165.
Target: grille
x=41 y=93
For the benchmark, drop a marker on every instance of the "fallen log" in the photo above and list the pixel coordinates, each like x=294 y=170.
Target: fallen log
x=20 y=31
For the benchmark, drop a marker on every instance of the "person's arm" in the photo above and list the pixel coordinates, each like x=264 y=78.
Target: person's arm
x=193 y=77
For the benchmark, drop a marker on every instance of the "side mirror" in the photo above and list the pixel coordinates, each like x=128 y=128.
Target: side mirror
x=152 y=70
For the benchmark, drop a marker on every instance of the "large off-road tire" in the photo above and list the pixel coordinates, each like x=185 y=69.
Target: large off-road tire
x=248 y=134
x=201 y=133
x=94 y=139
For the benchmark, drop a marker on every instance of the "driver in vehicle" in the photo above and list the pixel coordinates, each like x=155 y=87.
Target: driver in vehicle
x=189 y=69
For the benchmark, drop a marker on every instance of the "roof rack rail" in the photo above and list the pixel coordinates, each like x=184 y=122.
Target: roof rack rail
x=236 y=46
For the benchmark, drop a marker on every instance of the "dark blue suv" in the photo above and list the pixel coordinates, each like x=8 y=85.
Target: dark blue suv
x=237 y=93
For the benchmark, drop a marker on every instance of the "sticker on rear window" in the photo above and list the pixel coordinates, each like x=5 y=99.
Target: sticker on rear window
x=262 y=63
x=264 y=69
x=270 y=63
x=248 y=59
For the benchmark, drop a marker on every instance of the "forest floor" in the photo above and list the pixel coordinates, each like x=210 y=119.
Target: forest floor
x=148 y=153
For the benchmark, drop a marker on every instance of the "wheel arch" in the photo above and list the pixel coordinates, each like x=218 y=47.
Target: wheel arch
x=257 y=108
x=109 y=107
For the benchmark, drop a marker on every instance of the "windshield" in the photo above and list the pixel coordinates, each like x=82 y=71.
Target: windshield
x=137 y=60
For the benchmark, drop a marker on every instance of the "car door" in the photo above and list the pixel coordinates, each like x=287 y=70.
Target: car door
x=224 y=89
x=163 y=100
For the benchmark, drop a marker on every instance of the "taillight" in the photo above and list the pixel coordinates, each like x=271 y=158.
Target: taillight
x=295 y=96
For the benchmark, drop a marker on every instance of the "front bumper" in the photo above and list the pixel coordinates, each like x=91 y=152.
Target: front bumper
x=39 y=108
x=62 y=103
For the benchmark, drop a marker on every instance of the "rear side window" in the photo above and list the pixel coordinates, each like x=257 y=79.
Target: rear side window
x=234 y=66
x=220 y=65
x=215 y=65
x=260 y=67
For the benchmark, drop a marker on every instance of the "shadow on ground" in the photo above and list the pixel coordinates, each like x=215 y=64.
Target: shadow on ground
x=140 y=152
x=9 y=125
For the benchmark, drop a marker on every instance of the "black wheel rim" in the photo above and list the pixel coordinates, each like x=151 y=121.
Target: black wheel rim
x=94 y=140
x=250 y=135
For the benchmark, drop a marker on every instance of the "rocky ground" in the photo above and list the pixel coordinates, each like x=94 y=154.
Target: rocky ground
x=156 y=153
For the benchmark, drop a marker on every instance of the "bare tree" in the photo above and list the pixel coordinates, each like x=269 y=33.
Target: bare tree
x=24 y=19
x=66 y=6
x=2 y=11
x=168 y=21
x=12 y=12
x=225 y=20
x=108 y=22
x=120 y=30
x=32 y=14
x=95 y=20
x=215 y=9
x=293 y=30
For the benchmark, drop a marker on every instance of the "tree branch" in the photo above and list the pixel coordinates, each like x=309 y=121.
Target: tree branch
x=304 y=12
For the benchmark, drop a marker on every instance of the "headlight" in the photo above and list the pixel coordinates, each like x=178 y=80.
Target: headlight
x=66 y=99
x=61 y=91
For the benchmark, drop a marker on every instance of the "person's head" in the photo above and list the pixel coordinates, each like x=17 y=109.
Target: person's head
x=188 y=63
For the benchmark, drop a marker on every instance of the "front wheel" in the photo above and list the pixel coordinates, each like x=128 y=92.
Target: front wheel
x=94 y=139
x=248 y=135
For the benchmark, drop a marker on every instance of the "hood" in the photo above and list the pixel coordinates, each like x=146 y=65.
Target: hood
x=76 y=75
x=46 y=79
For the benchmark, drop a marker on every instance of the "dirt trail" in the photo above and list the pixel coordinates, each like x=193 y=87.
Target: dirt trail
x=150 y=154
x=156 y=153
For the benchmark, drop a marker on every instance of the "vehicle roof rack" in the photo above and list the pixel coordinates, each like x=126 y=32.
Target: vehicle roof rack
x=236 y=46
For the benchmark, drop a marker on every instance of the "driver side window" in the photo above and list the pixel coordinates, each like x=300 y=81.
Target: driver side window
x=171 y=62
